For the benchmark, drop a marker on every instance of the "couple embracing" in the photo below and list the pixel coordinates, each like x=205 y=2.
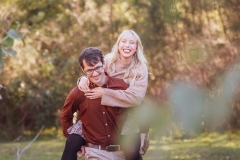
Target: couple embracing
x=106 y=100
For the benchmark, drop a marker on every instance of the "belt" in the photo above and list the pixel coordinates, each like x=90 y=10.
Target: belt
x=110 y=148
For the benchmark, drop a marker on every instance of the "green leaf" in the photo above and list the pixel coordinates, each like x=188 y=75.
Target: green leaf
x=2 y=54
x=15 y=25
x=9 y=50
x=8 y=42
x=14 y=34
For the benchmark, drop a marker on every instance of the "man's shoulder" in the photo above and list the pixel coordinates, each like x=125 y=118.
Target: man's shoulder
x=75 y=93
x=116 y=83
x=115 y=79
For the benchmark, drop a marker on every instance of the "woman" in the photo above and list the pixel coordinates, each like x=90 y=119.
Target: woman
x=126 y=61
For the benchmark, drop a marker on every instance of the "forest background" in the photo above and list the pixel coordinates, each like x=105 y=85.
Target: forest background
x=195 y=42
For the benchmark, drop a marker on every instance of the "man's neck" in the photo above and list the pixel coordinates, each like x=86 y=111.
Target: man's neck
x=104 y=81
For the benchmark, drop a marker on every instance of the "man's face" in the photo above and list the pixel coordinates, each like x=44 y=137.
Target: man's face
x=94 y=73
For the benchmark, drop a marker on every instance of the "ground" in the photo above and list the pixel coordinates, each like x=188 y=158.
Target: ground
x=213 y=146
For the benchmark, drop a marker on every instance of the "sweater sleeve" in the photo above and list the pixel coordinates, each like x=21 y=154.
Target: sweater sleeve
x=130 y=97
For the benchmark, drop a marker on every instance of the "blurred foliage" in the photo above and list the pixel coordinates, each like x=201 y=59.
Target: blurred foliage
x=183 y=40
x=8 y=33
x=195 y=111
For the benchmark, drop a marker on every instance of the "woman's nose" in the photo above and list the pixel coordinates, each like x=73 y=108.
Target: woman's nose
x=127 y=44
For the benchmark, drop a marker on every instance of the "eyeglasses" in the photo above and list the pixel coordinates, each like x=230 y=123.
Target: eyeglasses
x=97 y=69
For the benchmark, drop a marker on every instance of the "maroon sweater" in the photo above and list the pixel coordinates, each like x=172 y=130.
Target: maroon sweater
x=101 y=124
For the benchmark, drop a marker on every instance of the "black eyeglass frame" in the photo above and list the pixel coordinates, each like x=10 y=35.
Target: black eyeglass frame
x=90 y=71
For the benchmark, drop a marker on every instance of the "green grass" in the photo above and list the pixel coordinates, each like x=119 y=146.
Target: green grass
x=204 y=147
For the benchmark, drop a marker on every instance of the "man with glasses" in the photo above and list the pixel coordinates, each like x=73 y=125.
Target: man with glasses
x=101 y=125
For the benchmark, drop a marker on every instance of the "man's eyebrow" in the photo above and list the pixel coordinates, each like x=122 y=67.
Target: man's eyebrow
x=95 y=67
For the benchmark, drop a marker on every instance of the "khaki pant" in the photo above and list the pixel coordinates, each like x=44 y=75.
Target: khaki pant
x=95 y=154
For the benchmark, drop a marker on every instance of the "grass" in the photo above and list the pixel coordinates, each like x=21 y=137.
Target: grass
x=212 y=146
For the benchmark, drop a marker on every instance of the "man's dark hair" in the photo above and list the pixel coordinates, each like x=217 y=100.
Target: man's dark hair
x=91 y=55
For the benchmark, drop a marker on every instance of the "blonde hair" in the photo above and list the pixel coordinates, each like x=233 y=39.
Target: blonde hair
x=137 y=63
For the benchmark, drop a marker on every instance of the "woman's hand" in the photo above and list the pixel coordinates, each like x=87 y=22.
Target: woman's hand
x=81 y=152
x=83 y=84
x=94 y=93
x=142 y=150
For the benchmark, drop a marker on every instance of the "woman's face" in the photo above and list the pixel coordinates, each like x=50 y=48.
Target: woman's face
x=127 y=46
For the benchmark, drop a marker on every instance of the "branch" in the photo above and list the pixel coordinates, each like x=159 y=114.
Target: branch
x=20 y=152
x=4 y=39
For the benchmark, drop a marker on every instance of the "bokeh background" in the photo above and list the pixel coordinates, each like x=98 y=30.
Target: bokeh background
x=192 y=46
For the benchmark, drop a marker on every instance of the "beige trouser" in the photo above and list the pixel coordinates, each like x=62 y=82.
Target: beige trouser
x=95 y=154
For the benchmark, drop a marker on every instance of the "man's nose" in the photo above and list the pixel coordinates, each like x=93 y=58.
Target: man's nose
x=94 y=72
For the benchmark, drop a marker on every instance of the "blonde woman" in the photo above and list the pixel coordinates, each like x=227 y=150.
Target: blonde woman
x=125 y=61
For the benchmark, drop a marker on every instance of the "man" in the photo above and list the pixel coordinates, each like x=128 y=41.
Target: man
x=101 y=125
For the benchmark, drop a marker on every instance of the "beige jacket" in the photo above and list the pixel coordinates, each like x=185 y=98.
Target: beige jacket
x=130 y=97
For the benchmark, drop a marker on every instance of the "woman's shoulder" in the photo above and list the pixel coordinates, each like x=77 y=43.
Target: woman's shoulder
x=108 y=55
x=107 y=58
x=143 y=68
x=142 y=72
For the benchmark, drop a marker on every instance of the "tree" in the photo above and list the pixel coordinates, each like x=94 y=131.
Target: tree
x=188 y=40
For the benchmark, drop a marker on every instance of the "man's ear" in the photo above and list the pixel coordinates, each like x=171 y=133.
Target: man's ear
x=82 y=70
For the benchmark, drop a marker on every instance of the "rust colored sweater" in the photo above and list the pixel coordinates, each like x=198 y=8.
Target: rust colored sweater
x=101 y=124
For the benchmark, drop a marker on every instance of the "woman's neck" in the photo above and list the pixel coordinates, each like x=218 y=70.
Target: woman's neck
x=126 y=60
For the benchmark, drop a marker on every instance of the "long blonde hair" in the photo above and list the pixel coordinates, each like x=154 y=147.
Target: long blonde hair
x=137 y=63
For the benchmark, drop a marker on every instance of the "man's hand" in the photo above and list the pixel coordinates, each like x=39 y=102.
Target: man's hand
x=94 y=93
x=81 y=152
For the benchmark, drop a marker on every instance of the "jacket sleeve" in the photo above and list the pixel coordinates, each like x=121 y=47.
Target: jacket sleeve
x=70 y=106
x=130 y=97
